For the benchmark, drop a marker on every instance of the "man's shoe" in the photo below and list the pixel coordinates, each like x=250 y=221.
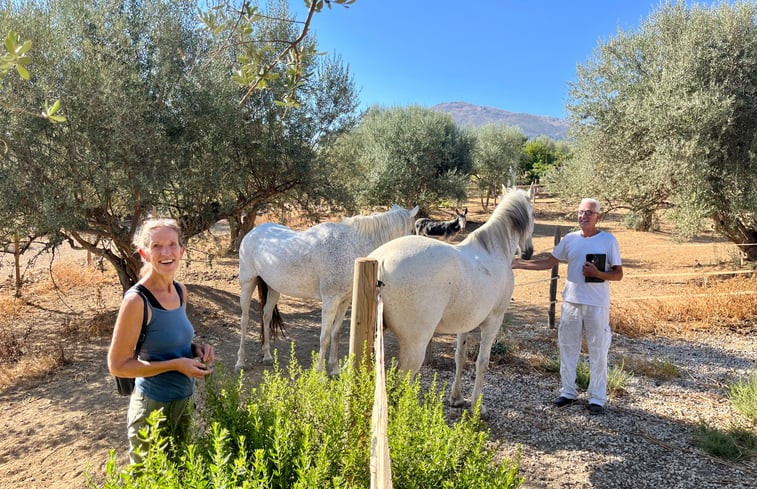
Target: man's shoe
x=563 y=401
x=595 y=409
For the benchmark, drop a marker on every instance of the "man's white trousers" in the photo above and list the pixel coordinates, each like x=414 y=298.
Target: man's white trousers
x=593 y=322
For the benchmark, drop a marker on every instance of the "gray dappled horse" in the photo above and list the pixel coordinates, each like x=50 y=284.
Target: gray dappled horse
x=317 y=263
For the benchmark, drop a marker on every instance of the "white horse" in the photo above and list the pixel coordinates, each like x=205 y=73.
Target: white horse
x=431 y=286
x=317 y=263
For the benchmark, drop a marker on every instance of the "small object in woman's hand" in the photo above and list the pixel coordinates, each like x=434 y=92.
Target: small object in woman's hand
x=199 y=359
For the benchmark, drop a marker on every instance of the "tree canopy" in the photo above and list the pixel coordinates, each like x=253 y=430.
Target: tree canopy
x=540 y=156
x=404 y=155
x=665 y=118
x=154 y=122
x=497 y=155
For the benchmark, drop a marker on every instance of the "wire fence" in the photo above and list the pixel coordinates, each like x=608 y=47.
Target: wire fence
x=702 y=274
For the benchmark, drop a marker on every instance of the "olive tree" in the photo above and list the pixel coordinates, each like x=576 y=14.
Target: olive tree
x=264 y=60
x=497 y=153
x=665 y=117
x=404 y=155
x=154 y=122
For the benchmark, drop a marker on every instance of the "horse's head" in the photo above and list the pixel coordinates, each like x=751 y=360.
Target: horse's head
x=461 y=218
x=523 y=221
x=526 y=244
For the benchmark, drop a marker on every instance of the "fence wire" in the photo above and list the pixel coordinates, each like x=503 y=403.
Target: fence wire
x=661 y=275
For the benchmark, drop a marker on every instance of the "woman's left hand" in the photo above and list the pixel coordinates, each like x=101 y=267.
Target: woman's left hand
x=206 y=352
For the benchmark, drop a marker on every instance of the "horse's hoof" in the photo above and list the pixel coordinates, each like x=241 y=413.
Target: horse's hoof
x=268 y=361
x=238 y=369
x=458 y=403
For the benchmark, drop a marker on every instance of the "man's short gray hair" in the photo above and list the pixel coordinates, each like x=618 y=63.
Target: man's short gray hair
x=594 y=203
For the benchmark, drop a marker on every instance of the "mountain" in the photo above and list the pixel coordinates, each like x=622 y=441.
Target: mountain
x=532 y=125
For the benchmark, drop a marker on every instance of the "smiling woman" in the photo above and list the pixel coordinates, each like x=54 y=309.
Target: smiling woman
x=152 y=339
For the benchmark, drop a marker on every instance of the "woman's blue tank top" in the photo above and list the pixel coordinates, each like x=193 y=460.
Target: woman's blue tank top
x=169 y=335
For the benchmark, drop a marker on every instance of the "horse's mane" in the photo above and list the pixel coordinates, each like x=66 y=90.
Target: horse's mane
x=382 y=227
x=511 y=217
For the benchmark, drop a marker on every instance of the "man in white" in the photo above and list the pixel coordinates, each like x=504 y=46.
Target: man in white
x=586 y=302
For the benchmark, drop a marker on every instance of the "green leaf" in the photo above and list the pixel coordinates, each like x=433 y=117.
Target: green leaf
x=22 y=72
x=10 y=42
x=54 y=108
x=24 y=48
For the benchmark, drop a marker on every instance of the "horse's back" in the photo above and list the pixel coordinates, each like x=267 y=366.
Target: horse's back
x=305 y=264
x=432 y=284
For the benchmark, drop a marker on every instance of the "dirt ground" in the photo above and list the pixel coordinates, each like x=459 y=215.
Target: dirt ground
x=59 y=425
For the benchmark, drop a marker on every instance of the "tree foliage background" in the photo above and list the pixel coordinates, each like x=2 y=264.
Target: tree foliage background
x=497 y=156
x=404 y=155
x=665 y=119
x=154 y=122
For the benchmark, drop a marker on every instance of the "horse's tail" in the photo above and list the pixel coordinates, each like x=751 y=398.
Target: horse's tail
x=277 y=322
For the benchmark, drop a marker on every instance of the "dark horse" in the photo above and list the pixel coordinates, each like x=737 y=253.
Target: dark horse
x=445 y=229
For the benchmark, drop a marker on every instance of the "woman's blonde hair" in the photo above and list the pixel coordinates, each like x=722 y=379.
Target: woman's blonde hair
x=143 y=237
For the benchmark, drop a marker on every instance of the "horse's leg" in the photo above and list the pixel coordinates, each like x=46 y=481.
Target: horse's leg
x=461 y=351
x=429 y=355
x=489 y=329
x=247 y=286
x=270 y=303
x=333 y=364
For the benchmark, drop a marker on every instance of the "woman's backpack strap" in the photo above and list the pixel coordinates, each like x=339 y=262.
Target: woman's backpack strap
x=138 y=289
x=180 y=292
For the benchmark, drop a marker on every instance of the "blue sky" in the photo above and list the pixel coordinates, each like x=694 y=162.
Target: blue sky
x=513 y=55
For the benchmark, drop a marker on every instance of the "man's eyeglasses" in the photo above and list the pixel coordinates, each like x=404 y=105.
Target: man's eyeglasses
x=587 y=213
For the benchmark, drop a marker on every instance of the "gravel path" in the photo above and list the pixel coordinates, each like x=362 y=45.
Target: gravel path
x=644 y=439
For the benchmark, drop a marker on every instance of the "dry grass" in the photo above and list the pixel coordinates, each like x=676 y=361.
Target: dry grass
x=26 y=353
x=653 y=368
x=31 y=367
x=70 y=275
x=10 y=309
x=704 y=304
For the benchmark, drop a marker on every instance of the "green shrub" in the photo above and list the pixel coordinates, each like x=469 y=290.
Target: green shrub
x=743 y=395
x=735 y=444
x=617 y=379
x=304 y=429
x=617 y=376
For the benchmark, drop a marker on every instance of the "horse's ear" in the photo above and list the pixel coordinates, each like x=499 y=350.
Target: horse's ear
x=465 y=211
x=414 y=211
x=532 y=191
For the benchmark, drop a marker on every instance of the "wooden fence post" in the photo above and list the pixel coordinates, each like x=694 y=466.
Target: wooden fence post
x=553 y=286
x=16 y=258
x=364 y=303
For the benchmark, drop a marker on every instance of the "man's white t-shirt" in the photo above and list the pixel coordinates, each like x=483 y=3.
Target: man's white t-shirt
x=573 y=248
